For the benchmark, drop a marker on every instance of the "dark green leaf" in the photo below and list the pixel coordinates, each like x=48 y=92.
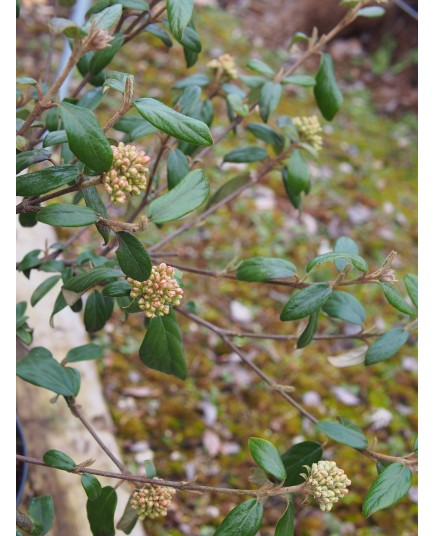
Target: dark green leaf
x=94 y=201
x=386 y=346
x=396 y=300
x=162 y=349
x=344 y=245
x=265 y=269
x=59 y=460
x=285 y=525
x=267 y=457
x=188 y=101
x=327 y=93
x=41 y=369
x=179 y=13
x=97 y=311
x=154 y=29
x=345 y=307
x=304 y=453
x=191 y=41
x=190 y=57
x=298 y=176
x=229 y=188
x=27 y=219
x=45 y=180
x=388 y=489
x=132 y=257
x=55 y=138
x=43 y=289
x=103 y=57
x=310 y=330
x=300 y=80
x=63 y=215
x=82 y=282
x=129 y=518
x=371 y=12
x=410 y=281
x=91 y=486
x=197 y=79
x=246 y=154
x=91 y=98
x=28 y=158
x=177 y=168
x=101 y=512
x=269 y=98
x=260 y=67
x=357 y=261
x=59 y=304
x=416 y=445
x=306 y=301
x=41 y=510
x=173 y=123
x=244 y=520
x=117 y=289
x=30 y=260
x=267 y=134
x=59 y=25
x=105 y=19
x=186 y=196
x=343 y=434
x=85 y=352
x=293 y=197
x=86 y=138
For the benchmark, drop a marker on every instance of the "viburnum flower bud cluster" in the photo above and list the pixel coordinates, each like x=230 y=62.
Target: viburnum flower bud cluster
x=127 y=174
x=309 y=130
x=326 y=483
x=152 y=501
x=158 y=293
x=225 y=64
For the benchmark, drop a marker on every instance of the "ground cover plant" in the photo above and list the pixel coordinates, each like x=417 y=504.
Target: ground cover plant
x=105 y=178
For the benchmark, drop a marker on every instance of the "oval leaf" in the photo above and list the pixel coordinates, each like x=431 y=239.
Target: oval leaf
x=45 y=180
x=97 y=311
x=327 y=93
x=246 y=154
x=132 y=257
x=309 y=331
x=86 y=138
x=259 y=269
x=117 y=289
x=396 y=300
x=344 y=245
x=386 y=346
x=298 y=177
x=59 y=460
x=343 y=434
x=85 y=352
x=86 y=280
x=101 y=511
x=91 y=486
x=267 y=457
x=64 y=215
x=41 y=510
x=179 y=13
x=269 y=98
x=228 y=188
x=28 y=158
x=185 y=197
x=304 y=453
x=177 y=168
x=357 y=261
x=285 y=525
x=244 y=520
x=388 y=489
x=306 y=301
x=43 y=289
x=173 y=123
x=345 y=307
x=410 y=281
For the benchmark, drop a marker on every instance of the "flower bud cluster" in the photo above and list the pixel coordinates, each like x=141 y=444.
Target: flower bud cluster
x=309 y=130
x=225 y=64
x=326 y=483
x=97 y=39
x=158 y=293
x=127 y=174
x=152 y=501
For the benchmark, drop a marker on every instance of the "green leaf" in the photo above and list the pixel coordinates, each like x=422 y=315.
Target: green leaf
x=344 y=245
x=293 y=197
x=186 y=196
x=27 y=219
x=395 y=299
x=45 y=180
x=105 y=19
x=285 y=525
x=97 y=311
x=40 y=368
x=190 y=57
x=41 y=510
x=191 y=41
x=229 y=188
x=76 y=286
x=28 y=158
x=64 y=215
x=85 y=352
x=267 y=134
x=129 y=518
x=197 y=79
x=310 y=330
x=179 y=13
x=269 y=98
x=162 y=349
x=259 y=269
x=59 y=460
x=154 y=29
x=94 y=201
x=117 y=81
x=342 y=433
x=103 y=57
x=42 y=289
x=345 y=307
x=300 y=80
x=357 y=261
x=371 y=12
x=386 y=346
x=55 y=138
x=132 y=257
x=306 y=301
x=91 y=486
x=388 y=489
x=139 y=5
x=60 y=25
x=117 y=289
x=327 y=93
x=246 y=154
x=177 y=168
x=298 y=177
x=86 y=138
x=416 y=445
x=267 y=457
x=173 y=123
x=410 y=281
x=304 y=453
x=101 y=512
x=244 y=520
x=260 y=67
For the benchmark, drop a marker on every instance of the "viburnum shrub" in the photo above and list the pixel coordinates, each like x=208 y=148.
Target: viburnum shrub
x=72 y=171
